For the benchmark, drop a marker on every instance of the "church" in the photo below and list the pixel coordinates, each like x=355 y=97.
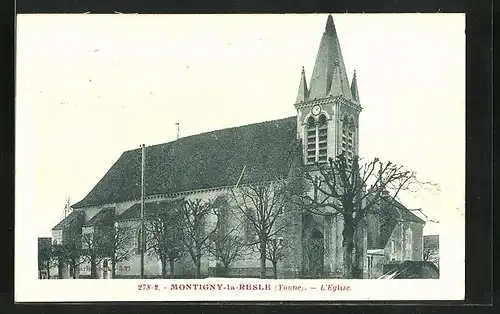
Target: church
x=326 y=125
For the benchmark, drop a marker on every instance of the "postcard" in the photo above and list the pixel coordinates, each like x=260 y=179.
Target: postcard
x=263 y=157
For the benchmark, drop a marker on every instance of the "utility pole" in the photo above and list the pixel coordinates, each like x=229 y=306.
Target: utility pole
x=177 y=123
x=143 y=232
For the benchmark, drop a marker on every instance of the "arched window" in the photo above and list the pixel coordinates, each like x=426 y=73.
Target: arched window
x=311 y=140
x=322 y=139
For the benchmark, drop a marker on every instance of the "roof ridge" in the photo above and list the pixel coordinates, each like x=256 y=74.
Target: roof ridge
x=213 y=131
x=223 y=151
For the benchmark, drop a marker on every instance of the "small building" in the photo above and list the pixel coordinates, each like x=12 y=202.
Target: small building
x=394 y=236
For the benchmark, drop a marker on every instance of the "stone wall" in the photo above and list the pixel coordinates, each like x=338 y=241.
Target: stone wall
x=418 y=240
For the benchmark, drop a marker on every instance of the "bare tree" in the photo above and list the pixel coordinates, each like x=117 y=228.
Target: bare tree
x=165 y=239
x=116 y=244
x=45 y=255
x=70 y=252
x=198 y=228
x=95 y=247
x=431 y=253
x=261 y=206
x=227 y=247
x=275 y=252
x=353 y=191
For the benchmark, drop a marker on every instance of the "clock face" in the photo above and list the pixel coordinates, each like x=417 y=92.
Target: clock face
x=316 y=110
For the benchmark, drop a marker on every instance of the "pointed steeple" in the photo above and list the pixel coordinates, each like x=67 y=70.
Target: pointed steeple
x=329 y=54
x=303 y=92
x=354 y=87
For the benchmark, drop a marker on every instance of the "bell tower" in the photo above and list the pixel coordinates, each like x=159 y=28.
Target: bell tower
x=328 y=111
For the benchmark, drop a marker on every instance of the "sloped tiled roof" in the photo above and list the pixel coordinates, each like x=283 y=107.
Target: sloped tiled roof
x=104 y=215
x=134 y=211
x=406 y=214
x=67 y=220
x=207 y=160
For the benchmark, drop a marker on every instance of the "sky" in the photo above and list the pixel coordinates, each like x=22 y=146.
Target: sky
x=90 y=87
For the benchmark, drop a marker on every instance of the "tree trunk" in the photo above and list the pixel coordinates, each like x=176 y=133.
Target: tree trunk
x=171 y=262
x=357 y=271
x=275 y=270
x=74 y=269
x=60 y=268
x=113 y=268
x=198 y=266
x=163 y=268
x=348 y=245
x=262 y=260
x=93 y=268
x=48 y=269
x=225 y=270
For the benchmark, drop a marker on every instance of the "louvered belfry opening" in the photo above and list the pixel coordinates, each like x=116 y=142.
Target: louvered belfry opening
x=322 y=139
x=311 y=140
x=317 y=140
x=348 y=139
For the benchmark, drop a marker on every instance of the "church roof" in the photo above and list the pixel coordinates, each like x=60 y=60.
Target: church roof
x=208 y=160
x=105 y=215
x=329 y=77
x=134 y=211
x=68 y=220
x=399 y=210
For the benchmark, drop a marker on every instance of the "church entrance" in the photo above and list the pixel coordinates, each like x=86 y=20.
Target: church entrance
x=316 y=254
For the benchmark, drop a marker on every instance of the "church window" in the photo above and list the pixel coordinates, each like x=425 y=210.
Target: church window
x=348 y=142
x=317 y=140
x=311 y=140
x=322 y=139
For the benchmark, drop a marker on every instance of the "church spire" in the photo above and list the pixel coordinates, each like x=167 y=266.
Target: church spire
x=354 y=87
x=302 y=94
x=328 y=58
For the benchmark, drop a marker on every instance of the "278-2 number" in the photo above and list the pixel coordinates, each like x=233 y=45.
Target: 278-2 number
x=147 y=287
